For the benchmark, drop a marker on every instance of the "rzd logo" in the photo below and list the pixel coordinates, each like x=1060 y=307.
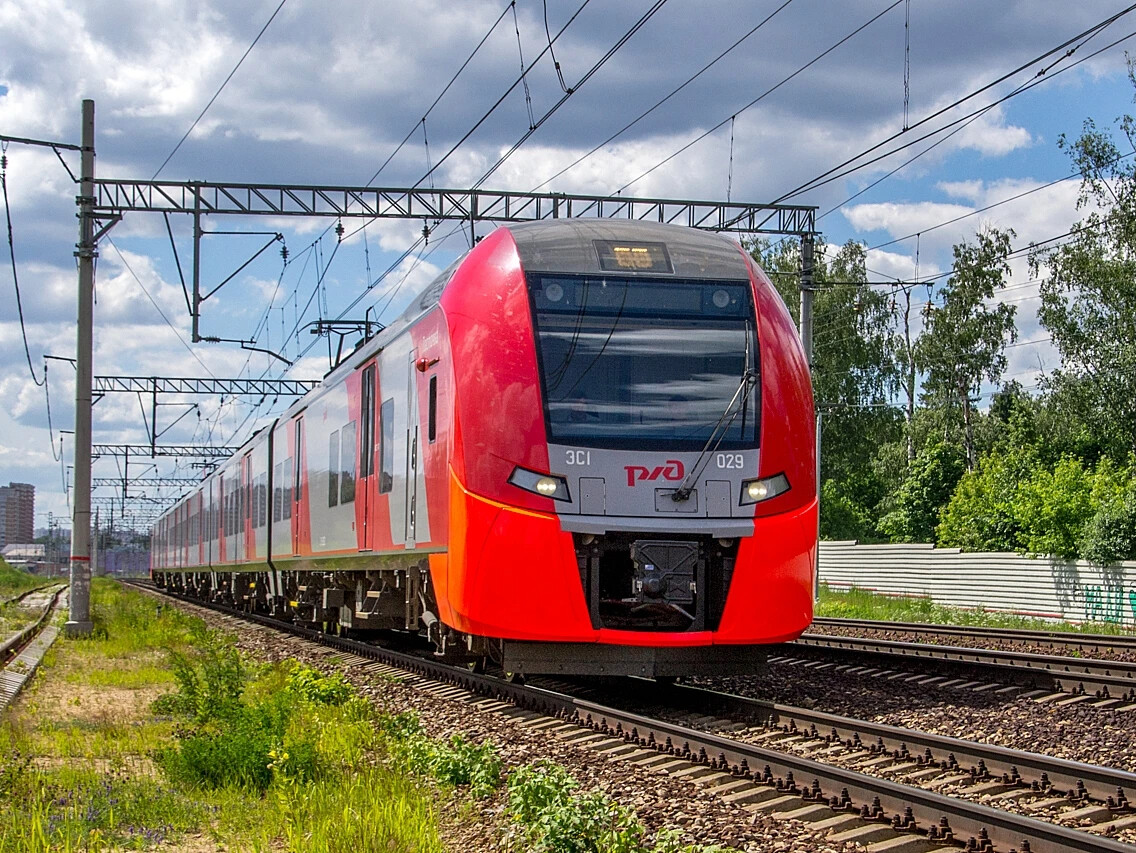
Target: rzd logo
x=672 y=470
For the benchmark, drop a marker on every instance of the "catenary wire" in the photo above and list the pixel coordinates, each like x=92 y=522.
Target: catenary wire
x=663 y=100
x=217 y=94
x=824 y=177
x=759 y=98
x=15 y=273
x=650 y=13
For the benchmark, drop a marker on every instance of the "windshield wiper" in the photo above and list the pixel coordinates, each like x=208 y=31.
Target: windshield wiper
x=749 y=379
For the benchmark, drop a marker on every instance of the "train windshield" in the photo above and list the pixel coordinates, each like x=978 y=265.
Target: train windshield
x=647 y=363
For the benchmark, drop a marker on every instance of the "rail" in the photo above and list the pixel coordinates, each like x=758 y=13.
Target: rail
x=1106 y=678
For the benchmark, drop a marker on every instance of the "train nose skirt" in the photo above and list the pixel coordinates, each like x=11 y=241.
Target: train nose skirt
x=646 y=661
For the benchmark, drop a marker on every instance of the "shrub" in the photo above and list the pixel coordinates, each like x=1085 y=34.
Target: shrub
x=210 y=679
x=456 y=762
x=318 y=688
x=552 y=818
x=1110 y=536
x=246 y=747
x=929 y=485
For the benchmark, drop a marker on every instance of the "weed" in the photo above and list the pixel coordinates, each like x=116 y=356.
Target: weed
x=210 y=678
x=317 y=687
x=552 y=818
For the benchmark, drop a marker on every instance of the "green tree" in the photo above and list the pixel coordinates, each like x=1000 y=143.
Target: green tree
x=854 y=379
x=964 y=339
x=931 y=480
x=1088 y=296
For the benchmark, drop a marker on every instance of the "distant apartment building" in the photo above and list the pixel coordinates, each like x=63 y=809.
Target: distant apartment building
x=17 y=514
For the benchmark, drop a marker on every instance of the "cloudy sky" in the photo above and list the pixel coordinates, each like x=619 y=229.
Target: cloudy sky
x=788 y=91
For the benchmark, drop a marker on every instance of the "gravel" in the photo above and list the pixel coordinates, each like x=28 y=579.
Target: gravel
x=1077 y=732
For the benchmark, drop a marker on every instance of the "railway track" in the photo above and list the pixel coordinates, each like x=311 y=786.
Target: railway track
x=1112 y=682
x=22 y=652
x=1101 y=798
x=1067 y=640
x=855 y=805
x=16 y=598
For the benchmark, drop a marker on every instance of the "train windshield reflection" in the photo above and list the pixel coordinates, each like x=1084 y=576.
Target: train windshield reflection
x=644 y=363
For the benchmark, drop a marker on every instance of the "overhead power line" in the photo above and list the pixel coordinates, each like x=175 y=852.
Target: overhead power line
x=830 y=174
x=665 y=98
x=216 y=94
x=650 y=13
x=501 y=99
x=442 y=94
x=15 y=273
x=760 y=97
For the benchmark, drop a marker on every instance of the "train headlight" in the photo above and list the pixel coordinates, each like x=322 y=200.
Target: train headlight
x=756 y=491
x=546 y=485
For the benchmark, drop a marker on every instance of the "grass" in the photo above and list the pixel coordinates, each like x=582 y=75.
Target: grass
x=13 y=581
x=860 y=604
x=154 y=733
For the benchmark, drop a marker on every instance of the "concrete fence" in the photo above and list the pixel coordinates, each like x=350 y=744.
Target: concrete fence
x=1041 y=587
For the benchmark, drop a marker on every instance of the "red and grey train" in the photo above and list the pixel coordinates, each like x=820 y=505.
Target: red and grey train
x=586 y=447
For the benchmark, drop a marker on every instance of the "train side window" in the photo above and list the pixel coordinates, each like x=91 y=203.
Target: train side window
x=333 y=469
x=287 y=488
x=367 y=424
x=278 y=492
x=386 y=446
x=264 y=499
x=431 y=424
x=347 y=464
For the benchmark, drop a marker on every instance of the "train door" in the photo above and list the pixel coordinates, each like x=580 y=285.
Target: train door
x=411 y=450
x=249 y=550
x=365 y=492
x=297 y=482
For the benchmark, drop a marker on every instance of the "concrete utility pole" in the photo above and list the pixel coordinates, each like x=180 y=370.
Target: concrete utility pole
x=808 y=291
x=79 y=624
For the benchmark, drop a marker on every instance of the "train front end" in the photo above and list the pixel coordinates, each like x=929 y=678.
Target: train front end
x=634 y=470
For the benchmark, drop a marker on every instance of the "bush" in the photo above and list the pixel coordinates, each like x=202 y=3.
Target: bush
x=552 y=818
x=929 y=485
x=318 y=688
x=231 y=741
x=1053 y=508
x=1110 y=536
x=980 y=513
x=210 y=679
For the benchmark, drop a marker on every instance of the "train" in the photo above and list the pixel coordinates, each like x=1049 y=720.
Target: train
x=587 y=447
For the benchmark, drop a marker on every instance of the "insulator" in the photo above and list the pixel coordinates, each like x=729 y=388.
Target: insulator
x=339 y=229
x=284 y=253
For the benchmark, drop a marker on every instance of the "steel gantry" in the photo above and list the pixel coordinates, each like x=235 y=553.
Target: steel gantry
x=115 y=197
x=202 y=385
x=181 y=451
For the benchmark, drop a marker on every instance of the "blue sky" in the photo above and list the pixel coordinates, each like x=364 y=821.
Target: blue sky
x=325 y=97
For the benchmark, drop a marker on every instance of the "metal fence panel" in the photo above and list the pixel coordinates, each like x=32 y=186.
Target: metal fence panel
x=1042 y=587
